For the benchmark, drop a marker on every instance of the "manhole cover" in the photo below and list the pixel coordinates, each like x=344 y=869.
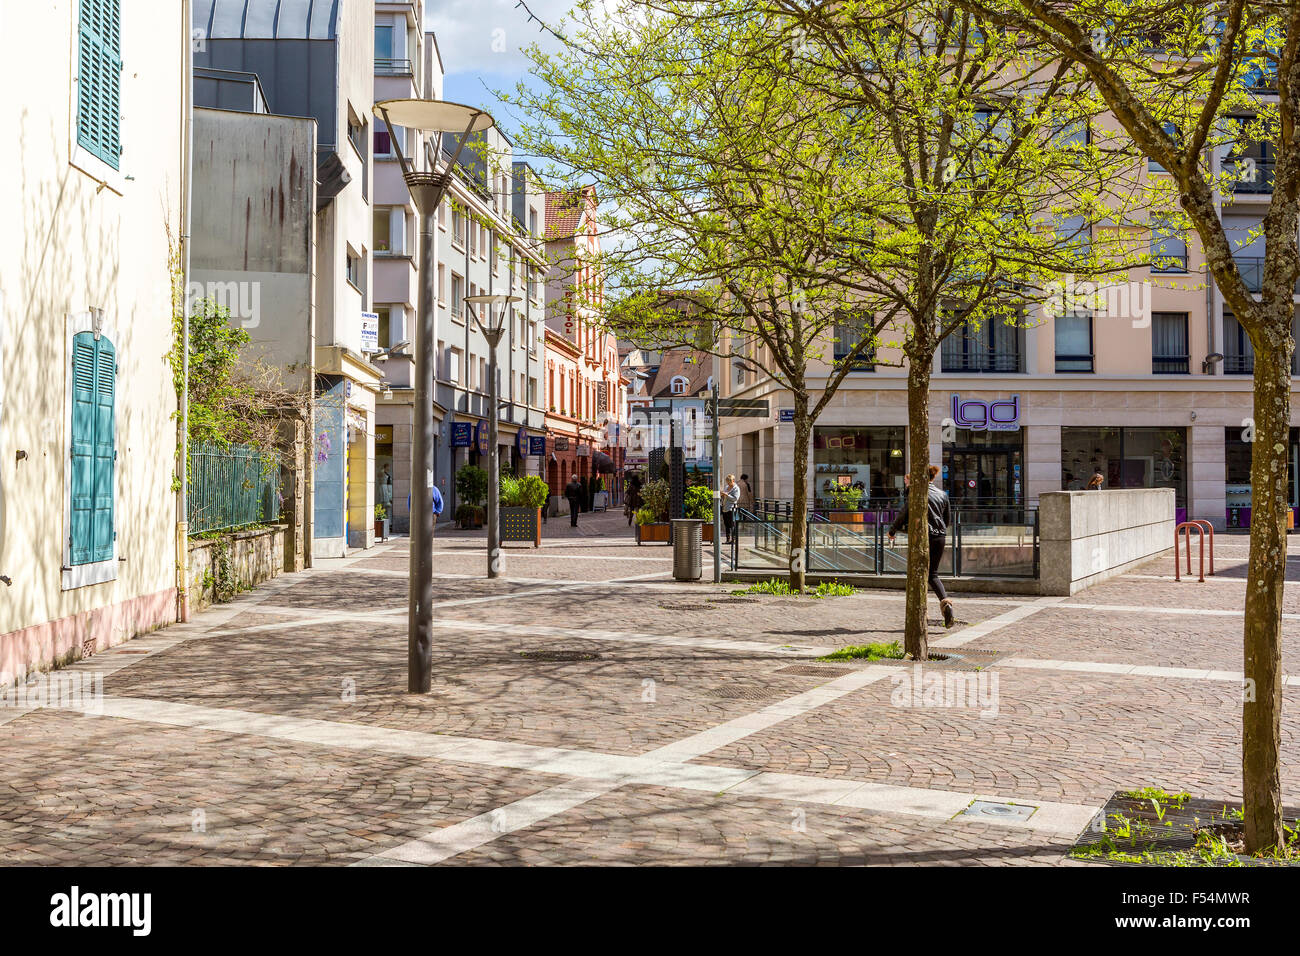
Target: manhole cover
x=558 y=656
x=814 y=670
x=988 y=810
x=742 y=692
x=686 y=607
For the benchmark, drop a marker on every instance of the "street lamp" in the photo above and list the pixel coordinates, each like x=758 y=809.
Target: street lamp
x=427 y=189
x=493 y=329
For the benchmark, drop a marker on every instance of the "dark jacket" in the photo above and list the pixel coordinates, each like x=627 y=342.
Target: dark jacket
x=573 y=489
x=936 y=512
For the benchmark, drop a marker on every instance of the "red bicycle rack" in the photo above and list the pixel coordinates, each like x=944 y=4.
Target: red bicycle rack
x=1201 y=527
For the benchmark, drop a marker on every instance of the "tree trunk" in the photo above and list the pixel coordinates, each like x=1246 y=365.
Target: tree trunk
x=1262 y=691
x=915 y=640
x=799 y=511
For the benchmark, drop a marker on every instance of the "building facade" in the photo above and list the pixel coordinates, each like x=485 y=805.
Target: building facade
x=316 y=60
x=88 y=540
x=586 y=390
x=1146 y=380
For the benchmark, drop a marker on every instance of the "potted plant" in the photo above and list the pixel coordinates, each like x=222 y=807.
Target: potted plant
x=471 y=489
x=651 y=520
x=521 y=508
x=846 y=499
x=699 y=504
x=381 y=523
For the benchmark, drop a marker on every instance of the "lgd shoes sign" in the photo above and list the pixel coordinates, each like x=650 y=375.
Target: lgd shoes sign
x=999 y=416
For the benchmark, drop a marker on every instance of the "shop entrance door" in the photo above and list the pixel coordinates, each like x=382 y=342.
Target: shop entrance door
x=985 y=483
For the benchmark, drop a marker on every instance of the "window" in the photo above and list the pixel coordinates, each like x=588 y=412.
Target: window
x=92 y=455
x=385 y=314
x=532 y=222
x=1076 y=235
x=99 y=79
x=383 y=227
x=679 y=385
x=1169 y=352
x=993 y=347
x=1074 y=343
x=1238 y=353
x=1168 y=247
x=442 y=284
x=353 y=268
x=1126 y=457
x=384 y=48
x=1173 y=131
x=453 y=366
x=457 y=296
x=482 y=373
x=532 y=392
x=848 y=336
x=383 y=144
x=457 y=225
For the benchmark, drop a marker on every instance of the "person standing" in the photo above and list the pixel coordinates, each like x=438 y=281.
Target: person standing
x=632 y=500
x=936 y=519
x=435 y=496
x=573 y=492
x=730 y=495
x=746 y=494
x=1097 y=480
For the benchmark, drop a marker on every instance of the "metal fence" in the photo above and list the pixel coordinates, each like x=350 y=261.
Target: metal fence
x=980 y=544
x=231 y=487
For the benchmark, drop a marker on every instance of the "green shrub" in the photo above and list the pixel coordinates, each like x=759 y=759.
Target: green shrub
x=870 y=652
x=380 y=512
x=834 y=589
x=527 y=492
x=644 y=516
x=845 y=496
x=699 y=502
x=469 y=514
x=656 y=496
x=472 y=484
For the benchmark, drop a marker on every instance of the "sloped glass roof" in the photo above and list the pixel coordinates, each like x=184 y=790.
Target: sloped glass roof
x=267 y=19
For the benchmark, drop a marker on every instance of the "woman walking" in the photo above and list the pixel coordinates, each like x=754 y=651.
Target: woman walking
x=730 y=495
x=936 y=518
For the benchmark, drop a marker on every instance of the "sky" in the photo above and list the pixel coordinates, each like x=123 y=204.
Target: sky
x=482 y=42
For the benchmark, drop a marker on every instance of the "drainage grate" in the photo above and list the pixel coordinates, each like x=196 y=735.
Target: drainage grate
x=686 y=607
x=988 y=810
x=743 y=692
x=733 y=600
x=965 y=659
x=814 y=670
x=558 y=656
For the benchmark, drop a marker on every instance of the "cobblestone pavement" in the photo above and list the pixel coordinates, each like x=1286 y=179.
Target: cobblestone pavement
x=588 y=709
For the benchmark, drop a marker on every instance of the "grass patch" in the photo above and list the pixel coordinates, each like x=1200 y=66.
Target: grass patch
x=781 y=587
x=866 y=652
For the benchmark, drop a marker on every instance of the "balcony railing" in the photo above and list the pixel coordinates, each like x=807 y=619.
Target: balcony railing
x=1170 y=364
x=1239 y=365
x=1252 y=272
x=386 y=66
x=1253 y=177
x=1074 y=363
x=1168 y=262
x=982 y=362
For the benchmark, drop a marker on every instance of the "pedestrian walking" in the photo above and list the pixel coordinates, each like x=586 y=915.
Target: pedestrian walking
x=730 y=496
x=632 y=500
x=573 y=491
x=746 y=494
x=435 y=496
x=936 y=519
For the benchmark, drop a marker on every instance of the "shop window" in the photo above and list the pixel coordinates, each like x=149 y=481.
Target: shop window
x=1126 y=458
x=870 y=459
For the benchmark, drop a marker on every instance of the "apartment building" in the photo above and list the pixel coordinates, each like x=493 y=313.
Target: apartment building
x=586 y=391
x=313 y=60
x=1148 y=384
x=94 y=207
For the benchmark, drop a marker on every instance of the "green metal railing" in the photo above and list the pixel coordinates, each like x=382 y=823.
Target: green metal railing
x=231 y=487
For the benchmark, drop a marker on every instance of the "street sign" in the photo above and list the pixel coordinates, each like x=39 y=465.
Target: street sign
x=785 y=416
x=742 y=408
x=460 y=435
x=537 y=444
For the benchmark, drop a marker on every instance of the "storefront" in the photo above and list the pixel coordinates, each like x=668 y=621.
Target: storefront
x=1152 y=457
x=1237 y=449
x=868 y=458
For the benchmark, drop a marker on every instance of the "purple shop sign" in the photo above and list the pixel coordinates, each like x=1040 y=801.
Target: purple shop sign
x=999 y=416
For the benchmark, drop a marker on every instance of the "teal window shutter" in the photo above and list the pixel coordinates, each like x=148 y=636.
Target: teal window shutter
x=99 y=79
x=90 y=536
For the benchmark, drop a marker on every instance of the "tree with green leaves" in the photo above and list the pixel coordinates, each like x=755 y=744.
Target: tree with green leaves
x=1195 y=86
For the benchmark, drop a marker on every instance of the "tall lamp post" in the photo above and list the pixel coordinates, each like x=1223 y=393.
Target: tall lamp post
x=427 y=189
x=495 y=306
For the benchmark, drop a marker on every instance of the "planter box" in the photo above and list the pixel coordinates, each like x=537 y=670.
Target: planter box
x=651 y=533
x=708 y=531
x=522 y=524
x=848 y=517
x=381 y=529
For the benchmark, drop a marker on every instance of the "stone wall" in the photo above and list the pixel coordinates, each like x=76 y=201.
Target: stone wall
x=1088 y=536
x=253 y=557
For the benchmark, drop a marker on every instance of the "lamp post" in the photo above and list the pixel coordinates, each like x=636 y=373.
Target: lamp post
x=427 y=189
x=493 y=329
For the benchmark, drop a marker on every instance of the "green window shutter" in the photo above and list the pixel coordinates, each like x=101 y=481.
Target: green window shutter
x=102 y=533
x=99 y=79
x=82 y=487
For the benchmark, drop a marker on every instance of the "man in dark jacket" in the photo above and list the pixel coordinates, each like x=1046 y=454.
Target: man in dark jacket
x=573 y=491
x=936 y=519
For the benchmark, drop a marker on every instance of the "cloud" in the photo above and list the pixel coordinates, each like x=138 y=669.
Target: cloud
x=489 y=36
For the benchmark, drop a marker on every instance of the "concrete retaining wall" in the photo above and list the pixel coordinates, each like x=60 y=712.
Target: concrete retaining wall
x=1088 y=536
x=255 y=556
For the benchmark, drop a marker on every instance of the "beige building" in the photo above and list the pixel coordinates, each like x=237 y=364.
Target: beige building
x=1145 y=381
x=93 y=208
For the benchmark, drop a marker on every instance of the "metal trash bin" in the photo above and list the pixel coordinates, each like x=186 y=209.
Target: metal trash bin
x=687 y=536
